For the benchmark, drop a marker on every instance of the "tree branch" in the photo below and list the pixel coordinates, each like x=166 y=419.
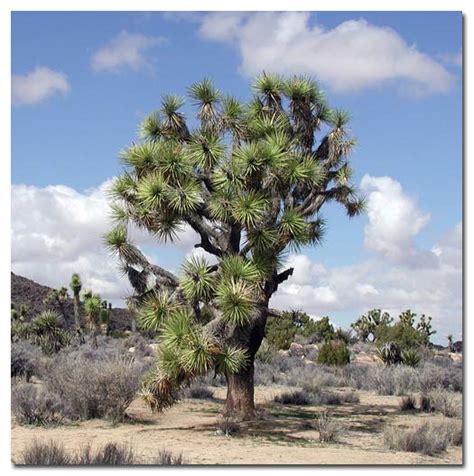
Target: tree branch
x=284 y=275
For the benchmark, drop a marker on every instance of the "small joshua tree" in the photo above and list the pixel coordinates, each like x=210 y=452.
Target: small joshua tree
x=450 y=343
x=76 y=287
x=250 y=180
x=366 y=326
x=105 y=317
x=92 y=308
x=58 y=297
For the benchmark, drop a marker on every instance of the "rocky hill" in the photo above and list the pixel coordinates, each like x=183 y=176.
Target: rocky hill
x=25 y=291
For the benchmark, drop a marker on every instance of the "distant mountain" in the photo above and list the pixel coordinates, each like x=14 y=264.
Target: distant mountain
x=25 y=291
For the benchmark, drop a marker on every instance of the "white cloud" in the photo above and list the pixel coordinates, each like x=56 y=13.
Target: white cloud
x=126 y=50
x=452 y=58
x=399 y=276
x=394 y=221
x=38 y=85
x=57 y=231
x=351 y=56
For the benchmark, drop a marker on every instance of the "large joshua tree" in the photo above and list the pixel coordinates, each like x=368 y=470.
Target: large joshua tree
x=250 y=180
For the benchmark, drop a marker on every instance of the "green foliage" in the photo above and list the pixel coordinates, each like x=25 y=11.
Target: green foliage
x=282 y=330
x=379 y=327
x=334 y=352
x=266 y=352
x=366 y=326
x=411 y=357
x=75 y=284
x=46 y=332
x=235 y=299
x=390 y=353
x=198 y=281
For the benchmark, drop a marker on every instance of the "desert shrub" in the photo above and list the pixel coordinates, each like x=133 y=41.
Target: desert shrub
x=95 y=387
x=442 y=401
x=266 y=352
x=311 y=352
x=44 y=454
x=108 y=454
x=328 y=428
x=296 y=397
x=334 y=352
x=338 y=398
x=197 y=392
x=408 y=403
x=35 y=406
x=456 y=433
x=410 y=357
x=433 y=376
x=393 y=380
x=140 y=344
x=166 y=458
x=429 y=438
x=290 y=326
x=343 y=335
x=25 y=359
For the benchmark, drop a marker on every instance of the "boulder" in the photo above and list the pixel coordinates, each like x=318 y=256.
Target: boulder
x=296 y=350
x=365 y=358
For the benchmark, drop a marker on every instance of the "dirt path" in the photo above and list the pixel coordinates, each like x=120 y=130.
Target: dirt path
x=281 y=436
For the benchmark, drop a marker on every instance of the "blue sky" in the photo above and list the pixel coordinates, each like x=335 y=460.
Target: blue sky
x=408 y=124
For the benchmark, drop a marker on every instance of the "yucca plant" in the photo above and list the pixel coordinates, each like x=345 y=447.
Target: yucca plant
x=46 y=331
x=250 y=180
x=410 y=357
x=390 y=353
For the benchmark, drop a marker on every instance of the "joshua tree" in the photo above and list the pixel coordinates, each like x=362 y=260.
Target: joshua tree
x=58 y=297
x=366 y=326
x=250 y=180
x=92 y=308
x=105 y=317
x=450 y=343
x=76 y=287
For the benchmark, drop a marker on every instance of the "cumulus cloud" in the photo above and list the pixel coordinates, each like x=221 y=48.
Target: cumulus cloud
x=126 y=50
x=57 y=230
x=398 y=276
x=394 y=221
x=349 y=57
x=37 y=85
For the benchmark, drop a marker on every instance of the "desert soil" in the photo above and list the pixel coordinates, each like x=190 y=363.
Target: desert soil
x=280 y=436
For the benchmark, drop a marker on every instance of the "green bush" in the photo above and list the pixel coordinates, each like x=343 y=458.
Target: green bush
x=411 y=357
x=334 y=352
x=282 y=330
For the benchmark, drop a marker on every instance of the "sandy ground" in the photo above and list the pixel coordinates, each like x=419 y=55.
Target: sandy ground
x=280 y=436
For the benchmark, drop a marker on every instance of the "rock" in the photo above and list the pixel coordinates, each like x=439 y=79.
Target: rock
x=296 y=350
x=455 y=357
x=132 y=350
x=364 y=358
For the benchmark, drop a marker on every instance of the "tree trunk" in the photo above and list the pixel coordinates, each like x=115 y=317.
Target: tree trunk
x=239 y=403
x=77 y=320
